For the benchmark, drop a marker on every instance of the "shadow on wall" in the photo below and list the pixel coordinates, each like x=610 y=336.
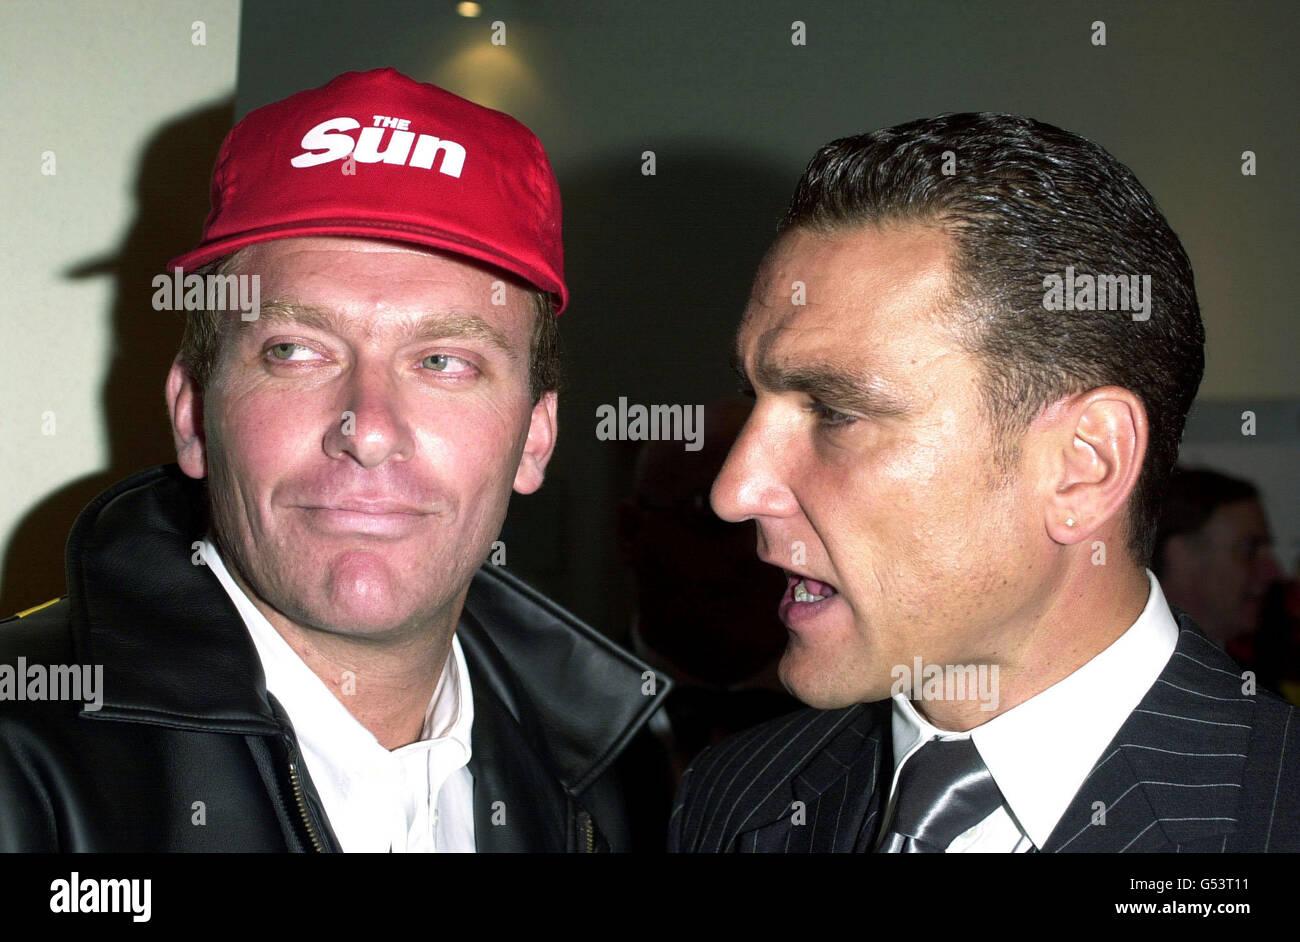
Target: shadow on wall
x=171 y=204
x=660 y=269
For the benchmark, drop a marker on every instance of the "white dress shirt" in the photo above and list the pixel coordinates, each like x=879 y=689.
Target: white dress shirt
x=418 y=797
x=1041 y=751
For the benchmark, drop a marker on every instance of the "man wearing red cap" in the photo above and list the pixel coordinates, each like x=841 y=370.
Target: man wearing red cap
x=294 y=641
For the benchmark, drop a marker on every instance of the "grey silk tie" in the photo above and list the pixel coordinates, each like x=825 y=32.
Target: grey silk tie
x=944 y=789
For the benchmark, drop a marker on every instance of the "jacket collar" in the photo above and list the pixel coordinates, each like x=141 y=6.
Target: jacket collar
x=1136 y=798
x=174 y=649
x=562 y=682
x=176 y=653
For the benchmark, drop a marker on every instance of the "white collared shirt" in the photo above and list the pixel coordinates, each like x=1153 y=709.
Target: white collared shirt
x=416 y=798
x=1041 y=751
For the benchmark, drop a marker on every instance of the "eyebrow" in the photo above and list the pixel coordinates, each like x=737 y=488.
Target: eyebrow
x=450 y=324
x=832 y=383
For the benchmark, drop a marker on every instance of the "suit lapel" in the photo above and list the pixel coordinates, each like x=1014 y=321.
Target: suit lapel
x=1172 y=775
x=831 y=803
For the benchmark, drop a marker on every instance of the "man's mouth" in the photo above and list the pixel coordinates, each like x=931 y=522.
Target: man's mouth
x=805 y=601
x=350 y=518
x=805 y=589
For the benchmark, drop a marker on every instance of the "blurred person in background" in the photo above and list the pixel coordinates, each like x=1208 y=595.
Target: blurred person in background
x=1214 y=556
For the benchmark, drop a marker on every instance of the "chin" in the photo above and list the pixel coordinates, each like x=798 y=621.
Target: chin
x=372 y=607
x=821 y=688
x=369 y=619
x=357 y=617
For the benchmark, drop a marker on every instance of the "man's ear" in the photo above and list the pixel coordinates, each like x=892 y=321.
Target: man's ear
x=185 y=404
x=542 y=430
x=1091 y=448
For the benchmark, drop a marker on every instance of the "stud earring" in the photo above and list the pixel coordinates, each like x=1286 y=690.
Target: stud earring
x=1069 y=521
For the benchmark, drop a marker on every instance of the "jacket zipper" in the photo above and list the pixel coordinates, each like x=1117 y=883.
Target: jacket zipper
x=588 y=829
x=302 y=808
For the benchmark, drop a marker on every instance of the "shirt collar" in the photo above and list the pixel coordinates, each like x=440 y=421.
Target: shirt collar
x=1040 y=751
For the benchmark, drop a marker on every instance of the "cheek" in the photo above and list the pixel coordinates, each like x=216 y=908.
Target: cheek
x=257 y=437
x=908 y=493
x=477 y=457
x=475 y=445
x=923 y=513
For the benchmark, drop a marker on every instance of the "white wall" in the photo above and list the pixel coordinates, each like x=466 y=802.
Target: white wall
x=92 y=83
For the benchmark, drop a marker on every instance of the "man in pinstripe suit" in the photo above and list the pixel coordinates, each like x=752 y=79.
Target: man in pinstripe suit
x=972 y=348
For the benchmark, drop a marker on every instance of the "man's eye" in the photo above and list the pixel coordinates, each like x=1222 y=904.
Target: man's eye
x=829 y=417
x=445 y=363
x=288 y=351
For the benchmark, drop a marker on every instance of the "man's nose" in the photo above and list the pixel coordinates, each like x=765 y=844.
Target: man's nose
x=371 y=428
x=752 y=482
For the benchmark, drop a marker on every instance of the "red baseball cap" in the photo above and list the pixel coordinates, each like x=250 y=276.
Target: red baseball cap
x=377 y=154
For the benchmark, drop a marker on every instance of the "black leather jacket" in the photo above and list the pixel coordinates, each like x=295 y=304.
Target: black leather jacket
x=186 y=717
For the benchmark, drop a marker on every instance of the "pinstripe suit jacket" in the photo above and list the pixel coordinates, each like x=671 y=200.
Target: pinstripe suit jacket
x=1196 y=767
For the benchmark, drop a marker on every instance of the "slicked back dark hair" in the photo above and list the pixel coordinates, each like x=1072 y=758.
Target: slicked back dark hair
x=1023 y=200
